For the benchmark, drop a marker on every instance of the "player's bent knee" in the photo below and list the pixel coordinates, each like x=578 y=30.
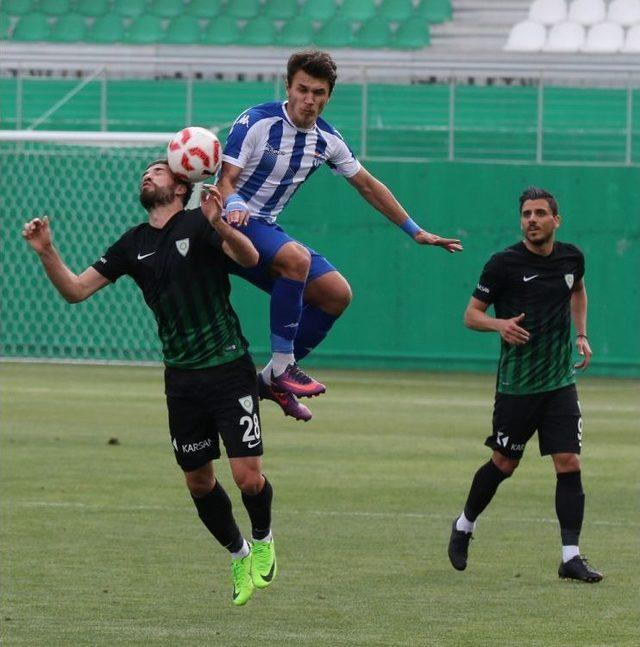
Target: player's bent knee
x=249 y=482
x=505 y=464
x=292 y=259
x=566 y=462
x=199 y=485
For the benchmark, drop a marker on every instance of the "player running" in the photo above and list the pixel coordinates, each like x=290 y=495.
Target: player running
x=536 y=288
x=271 y=150
x=177 y=259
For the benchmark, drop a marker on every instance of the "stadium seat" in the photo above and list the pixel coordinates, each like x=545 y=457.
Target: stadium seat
x=16 y=7
x=604 y=38
x=357 y=10
x=167 y=8
x=259 y=31
x=243 y=9
x=587 y=12
x=548 y=12
x=92 y=8
x=336 y=32
x=130 y=8
x=281 y=9
x=632 y=41
x=205 y=8
x=373 y=33
x=435 y=11
x=321 y=10
x=396 y=10
x=5 y=25
x=412 y=34
x=70 y=28
x=54 y=7
x=145 y=30
x=183 y=30
x=624 y=12
x=106 y=29
x=221 y=31
x=298 y=32
x=526 y=36
x=565 y=37
x=32 y=27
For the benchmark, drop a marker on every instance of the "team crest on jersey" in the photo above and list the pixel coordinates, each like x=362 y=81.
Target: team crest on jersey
x=246 y=403
x=183 y=246
x=568 y=279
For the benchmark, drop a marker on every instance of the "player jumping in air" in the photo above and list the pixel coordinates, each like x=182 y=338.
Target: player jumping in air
x=271 y=150
x=536 y=288
x=177 y=259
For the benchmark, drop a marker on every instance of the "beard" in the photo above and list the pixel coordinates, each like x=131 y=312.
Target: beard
x=152 y=196
x=539 y=240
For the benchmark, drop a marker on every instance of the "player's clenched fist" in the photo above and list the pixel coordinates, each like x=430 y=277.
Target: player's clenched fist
x=37 y=233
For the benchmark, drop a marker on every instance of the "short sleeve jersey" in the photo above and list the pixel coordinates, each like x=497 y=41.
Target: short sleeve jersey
x=518 y=281
x=181 y=270
x=276 y=156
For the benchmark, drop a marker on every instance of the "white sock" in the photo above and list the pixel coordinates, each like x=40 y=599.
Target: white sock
x=280 y=361
x=243 y=552
x=266 y=374
x=569 y=552
x=265 y=540
x=464 y=525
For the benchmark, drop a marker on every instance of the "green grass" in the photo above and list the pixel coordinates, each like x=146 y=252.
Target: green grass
x=101 y=544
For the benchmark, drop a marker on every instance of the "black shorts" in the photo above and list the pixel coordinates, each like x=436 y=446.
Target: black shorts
x=208 y=403
x=555 y=415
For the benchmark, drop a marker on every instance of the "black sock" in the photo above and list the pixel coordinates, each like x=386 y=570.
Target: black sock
x=259 y=508
x=484 y=486
x=214 y=510
x=570 y=506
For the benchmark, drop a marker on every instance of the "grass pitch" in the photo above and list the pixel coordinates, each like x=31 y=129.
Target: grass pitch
x=101 y=544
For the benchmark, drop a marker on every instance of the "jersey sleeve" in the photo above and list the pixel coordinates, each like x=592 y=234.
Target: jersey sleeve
x=580 y=271
x=113 y=263
x=342 y=160
x=241 y=139
x=492 y=280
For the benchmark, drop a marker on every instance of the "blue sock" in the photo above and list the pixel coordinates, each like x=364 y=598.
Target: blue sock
x=313 y=328
x=286 y=309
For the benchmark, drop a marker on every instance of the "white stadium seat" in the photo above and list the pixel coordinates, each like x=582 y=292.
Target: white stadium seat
x=548 y=12
x=604 y=38
x=526 y=36
x=632 y=42
x=624 y=12
x=565 y=37
x=587 y=12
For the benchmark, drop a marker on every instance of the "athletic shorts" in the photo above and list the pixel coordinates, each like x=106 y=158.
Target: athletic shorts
x=555 y=415
x=268 y=239
x=207 y=404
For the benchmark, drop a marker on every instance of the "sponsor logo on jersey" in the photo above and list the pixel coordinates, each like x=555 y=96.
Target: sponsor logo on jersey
x=103 y=260
x=483 y=288
x=273 y=151
x=501 y=439
x=526 y=279
x=246 y=403
x=183 y=246
x=568 y=279
x=196 y=447
x=141 y=256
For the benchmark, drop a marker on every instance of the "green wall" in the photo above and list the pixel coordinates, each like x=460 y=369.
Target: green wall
x=408 y=300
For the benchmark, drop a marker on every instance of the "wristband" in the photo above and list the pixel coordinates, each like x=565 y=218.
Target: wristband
x=410 y=227
x=583 y=336
x=234 y=202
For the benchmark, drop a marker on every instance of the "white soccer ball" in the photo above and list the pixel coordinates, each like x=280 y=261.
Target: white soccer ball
x=194 y=154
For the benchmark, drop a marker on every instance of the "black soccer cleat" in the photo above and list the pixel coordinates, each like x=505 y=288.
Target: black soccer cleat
x=459 y=547
x=577 y=568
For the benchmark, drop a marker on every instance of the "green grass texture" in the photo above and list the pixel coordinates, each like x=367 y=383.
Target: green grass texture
x=101 y=544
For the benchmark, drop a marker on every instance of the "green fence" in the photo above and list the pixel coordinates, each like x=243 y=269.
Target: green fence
x=408 y=300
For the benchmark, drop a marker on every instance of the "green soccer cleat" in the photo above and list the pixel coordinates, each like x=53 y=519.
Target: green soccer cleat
x=263 y=566
x=242 y=582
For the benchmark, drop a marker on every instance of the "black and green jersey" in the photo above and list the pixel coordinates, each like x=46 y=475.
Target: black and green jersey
x=517 y=280
x=182 y=273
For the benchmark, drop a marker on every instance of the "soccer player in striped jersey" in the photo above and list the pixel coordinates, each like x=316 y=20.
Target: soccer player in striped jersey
x=271 y=150
x=536 y=288
x=177 y=259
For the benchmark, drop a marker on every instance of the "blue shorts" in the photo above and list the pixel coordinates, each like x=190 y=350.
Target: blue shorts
x=268 y=239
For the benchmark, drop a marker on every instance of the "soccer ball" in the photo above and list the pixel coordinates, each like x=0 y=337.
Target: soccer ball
x=194 y=154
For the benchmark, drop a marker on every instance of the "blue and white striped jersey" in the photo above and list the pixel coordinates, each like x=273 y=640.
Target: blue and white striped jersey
x=276 y=157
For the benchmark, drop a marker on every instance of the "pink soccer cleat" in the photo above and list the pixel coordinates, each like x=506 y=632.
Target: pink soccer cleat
x=287 y=401
x=294 y=380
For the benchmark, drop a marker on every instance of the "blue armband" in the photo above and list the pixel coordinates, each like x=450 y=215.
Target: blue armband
x=234 y=202
x=411 y=228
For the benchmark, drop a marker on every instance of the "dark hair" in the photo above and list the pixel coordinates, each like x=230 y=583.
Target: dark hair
x=315 y=63
x=535 y=193
x=188 y=185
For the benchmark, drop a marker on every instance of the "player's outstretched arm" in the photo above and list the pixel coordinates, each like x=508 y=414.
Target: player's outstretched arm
x=579 y=316
x=235 y=209
x=379 y=197
x=73 y=287
x=234 y=243
x=476 y=318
